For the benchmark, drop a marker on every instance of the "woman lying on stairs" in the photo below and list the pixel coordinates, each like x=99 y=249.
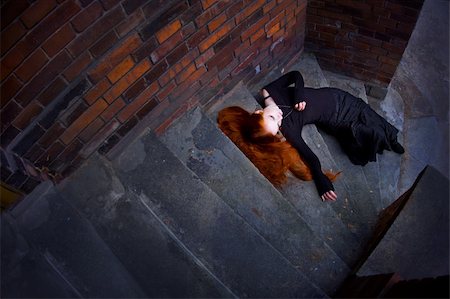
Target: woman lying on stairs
x=271 y=138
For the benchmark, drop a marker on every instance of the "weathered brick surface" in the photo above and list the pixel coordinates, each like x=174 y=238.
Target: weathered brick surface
x=58 y=40
x=37 y=12
x=32 y=65
x=11 y=35
x=79 y=75
x=338 y=31
x=87 y=16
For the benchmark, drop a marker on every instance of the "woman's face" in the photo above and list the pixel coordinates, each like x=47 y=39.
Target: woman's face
x=272 y=117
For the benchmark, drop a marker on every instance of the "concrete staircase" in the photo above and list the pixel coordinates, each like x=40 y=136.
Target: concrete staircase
x=186 y=214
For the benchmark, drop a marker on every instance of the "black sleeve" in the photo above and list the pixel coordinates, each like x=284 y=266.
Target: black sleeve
x=293 y=77
x=323 y=183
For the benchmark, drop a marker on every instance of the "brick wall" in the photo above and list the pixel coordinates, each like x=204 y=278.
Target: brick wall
x=78 y=75
x=363 y=39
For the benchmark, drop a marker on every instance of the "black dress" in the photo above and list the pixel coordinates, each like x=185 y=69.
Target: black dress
x=361 y=132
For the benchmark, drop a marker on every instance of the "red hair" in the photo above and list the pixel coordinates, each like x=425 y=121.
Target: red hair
x=270 y=154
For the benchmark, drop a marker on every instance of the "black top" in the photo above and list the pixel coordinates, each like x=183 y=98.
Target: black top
x=360 y=130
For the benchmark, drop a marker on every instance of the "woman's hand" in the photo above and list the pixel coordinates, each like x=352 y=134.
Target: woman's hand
x=330 y=195
x=300 y=106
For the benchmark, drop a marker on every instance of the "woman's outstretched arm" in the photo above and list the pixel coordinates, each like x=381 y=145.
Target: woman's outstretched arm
x=323 y=184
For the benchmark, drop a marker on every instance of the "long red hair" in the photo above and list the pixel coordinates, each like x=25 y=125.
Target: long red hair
x=270 y=154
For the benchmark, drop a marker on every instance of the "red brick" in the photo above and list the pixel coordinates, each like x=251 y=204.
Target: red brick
x=140 y=101
x=91 y=35
x=156 y=71
x=273 y=30
x=185 y=91
x=51 y=154
x=54 y=21
x=177 y=54
x=201 y=60
x=147 y=108
x=27 y=115
x=14 y=57
x=58 y=40
x=9 y=113
x=145 y=49
x=32 y=65
x=69 y=153
x=220 y=61
x=96 y=91
x=169 y=30
x=12 y=9
x=88 y=16
x=249 y=10
x=125 y=47
x=8 y=89
x=80 y=64
x=195 y=76
x=87 y=134
x=10 y=36
x=197 y=37
x=234 y=8
x=37 y=12
x=255 y=27
x=378 y=50
x=213 y=38
x=268 y=7
x=131 y=5
x=83 y=121
x=53 y=133
x=260 y=33
x=134 y=90
x=108 y=4
x=178 y=67
x=335 y=16
x=104 y=44
x=168 y=89
x=188 y=30
x=208 y=3
x=183 y=75
x=206 y=78
x=127 y=80
x=393 y=48
x=113 y=109
x=166 y=47
x=99 y=71
x=52 y=91
x=40 y=81
x=214 y=24
x=121 y=69
x=189 y=14
x=99 y=138
x=388 y=60
x=205 y=17
x=130 y=23
x=388 y=69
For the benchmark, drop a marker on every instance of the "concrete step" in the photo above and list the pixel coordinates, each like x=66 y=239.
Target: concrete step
x=152 y=255
x=63 y=245
x=345 y=219
x=221 y=240
x=204 y=149
x=416 y=244
x=341 y=226
x=26 y=272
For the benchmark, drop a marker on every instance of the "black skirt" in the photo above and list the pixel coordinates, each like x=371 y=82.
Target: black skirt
x=361 y=132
